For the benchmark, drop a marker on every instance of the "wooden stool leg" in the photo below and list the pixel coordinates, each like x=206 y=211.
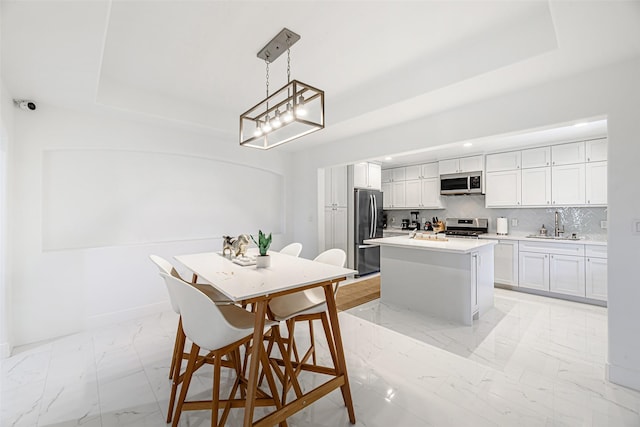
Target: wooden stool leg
x=313 y=343
x=215 y=401
x=193 y=356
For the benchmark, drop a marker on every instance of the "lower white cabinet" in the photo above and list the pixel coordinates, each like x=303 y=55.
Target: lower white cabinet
x=596 y=273
x=552 y=267
x=566 y=274
x=335 y=228
x=534 y=270
x=506 y=262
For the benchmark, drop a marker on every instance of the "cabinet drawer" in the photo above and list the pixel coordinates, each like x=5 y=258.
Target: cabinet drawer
x=594 y=251
x=551 y=248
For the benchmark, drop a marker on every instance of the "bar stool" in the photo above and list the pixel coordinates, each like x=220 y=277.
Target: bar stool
x=178 y=347
x=221 y=330
x=292 y=249
x=307 y=305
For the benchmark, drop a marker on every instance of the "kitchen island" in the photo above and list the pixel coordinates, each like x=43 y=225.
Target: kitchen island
x=451 y=279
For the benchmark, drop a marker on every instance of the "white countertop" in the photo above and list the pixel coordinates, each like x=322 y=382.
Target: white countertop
x=453 y=245
x=238 y=283
x=581 y=241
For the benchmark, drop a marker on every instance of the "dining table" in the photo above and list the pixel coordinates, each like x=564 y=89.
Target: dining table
x=257 y=286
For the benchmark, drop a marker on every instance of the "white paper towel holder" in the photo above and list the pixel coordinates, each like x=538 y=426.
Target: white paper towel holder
x=502 y=226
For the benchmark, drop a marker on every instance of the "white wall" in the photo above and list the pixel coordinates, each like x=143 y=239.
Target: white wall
x=81 y=279
x=612 y=91
x=6 y=139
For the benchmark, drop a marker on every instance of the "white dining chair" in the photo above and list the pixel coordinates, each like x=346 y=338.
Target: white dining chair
x=221 y=330
x=307 y=305
x=178 y=347
x=292 y=249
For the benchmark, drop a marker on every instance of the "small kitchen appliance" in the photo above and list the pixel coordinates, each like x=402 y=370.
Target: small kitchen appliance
x=466 y=227
x=405 y=224
x=415 y=224
x=502 y=226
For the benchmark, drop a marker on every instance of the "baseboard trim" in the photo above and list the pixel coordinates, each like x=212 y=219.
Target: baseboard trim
x=623 y=376
x=5 y=350
x=107 y=319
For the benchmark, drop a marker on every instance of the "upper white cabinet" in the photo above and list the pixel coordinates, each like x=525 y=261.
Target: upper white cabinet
x=430 y=170
x=463 y=164
x=503 y=188
x=387 y=196
x=335 y=186
x=596 y=150
x=536 y=186
x=568 y=184
x=412 y=172
x=503 y=161
x=566 y=154
x=367 y=175
x=596 y=185
x=536 y=157
x=414 y=186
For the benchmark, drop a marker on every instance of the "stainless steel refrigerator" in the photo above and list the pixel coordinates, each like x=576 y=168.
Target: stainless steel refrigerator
x=368 y=218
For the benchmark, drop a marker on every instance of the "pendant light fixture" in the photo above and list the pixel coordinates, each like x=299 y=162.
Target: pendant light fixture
x=294 y=110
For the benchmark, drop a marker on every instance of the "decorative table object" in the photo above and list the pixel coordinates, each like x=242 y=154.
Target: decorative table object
x=263 y=242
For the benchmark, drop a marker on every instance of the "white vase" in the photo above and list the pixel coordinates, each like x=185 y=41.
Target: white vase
x=263 y=261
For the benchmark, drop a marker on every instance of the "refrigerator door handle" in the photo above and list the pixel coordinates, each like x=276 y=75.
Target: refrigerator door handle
x=371 y=216
x=367 y=246
x=375 y=216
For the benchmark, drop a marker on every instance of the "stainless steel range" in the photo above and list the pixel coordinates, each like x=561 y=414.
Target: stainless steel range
x=466 y=227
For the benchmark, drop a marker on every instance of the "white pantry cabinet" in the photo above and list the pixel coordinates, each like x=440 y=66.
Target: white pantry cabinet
x=335 y=228
x=462 y=164
x=568 y=184
x=506 y=262
x=335 y=186
x=596 y=272
x=503 y=188
x=367 y=175
x=566 y=154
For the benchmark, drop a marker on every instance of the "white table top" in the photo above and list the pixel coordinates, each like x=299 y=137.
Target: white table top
x=453 y=245
x=240 y=283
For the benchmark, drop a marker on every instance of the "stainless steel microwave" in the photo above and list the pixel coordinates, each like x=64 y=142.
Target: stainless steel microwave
x=461 y=183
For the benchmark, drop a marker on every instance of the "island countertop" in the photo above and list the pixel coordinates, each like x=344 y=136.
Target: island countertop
x=452 y=245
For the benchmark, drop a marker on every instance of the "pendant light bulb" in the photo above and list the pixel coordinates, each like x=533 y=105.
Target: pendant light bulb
x=267 y=125
x=300 y=109
x=276 y=122
x=288 y=114
x=258 y=130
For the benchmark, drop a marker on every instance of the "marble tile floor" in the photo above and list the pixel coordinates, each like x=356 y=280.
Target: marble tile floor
x=531 y=361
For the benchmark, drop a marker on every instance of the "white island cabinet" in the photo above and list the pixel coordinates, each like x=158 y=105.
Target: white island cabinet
x=452 y=280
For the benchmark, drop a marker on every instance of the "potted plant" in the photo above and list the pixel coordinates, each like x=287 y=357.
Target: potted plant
x=263 y=243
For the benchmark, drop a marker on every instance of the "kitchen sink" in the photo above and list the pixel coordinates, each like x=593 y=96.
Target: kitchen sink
x=541 y=236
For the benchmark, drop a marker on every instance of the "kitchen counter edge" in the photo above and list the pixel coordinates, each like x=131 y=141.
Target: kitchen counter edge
x=582 y=241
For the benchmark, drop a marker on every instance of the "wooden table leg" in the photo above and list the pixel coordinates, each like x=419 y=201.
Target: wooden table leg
x=254 y=363
x=341 y=367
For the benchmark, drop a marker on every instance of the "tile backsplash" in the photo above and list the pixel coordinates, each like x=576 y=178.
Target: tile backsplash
x=580 y=220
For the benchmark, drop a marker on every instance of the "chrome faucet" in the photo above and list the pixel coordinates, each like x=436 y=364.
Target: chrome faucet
x=557 y=231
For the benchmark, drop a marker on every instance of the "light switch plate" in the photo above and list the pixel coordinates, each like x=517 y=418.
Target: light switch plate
x=636 y=226
x=604 y=224
x=514 y=222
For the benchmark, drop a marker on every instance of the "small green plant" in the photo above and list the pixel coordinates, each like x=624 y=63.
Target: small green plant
x=263 y=242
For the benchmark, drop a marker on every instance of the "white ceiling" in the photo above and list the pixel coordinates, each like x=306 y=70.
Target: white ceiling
x=380 y=63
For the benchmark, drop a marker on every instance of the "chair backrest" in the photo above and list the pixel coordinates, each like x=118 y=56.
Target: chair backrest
x=292 y=249
x=165 y=267
x=333 y=256
x=202 y=321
